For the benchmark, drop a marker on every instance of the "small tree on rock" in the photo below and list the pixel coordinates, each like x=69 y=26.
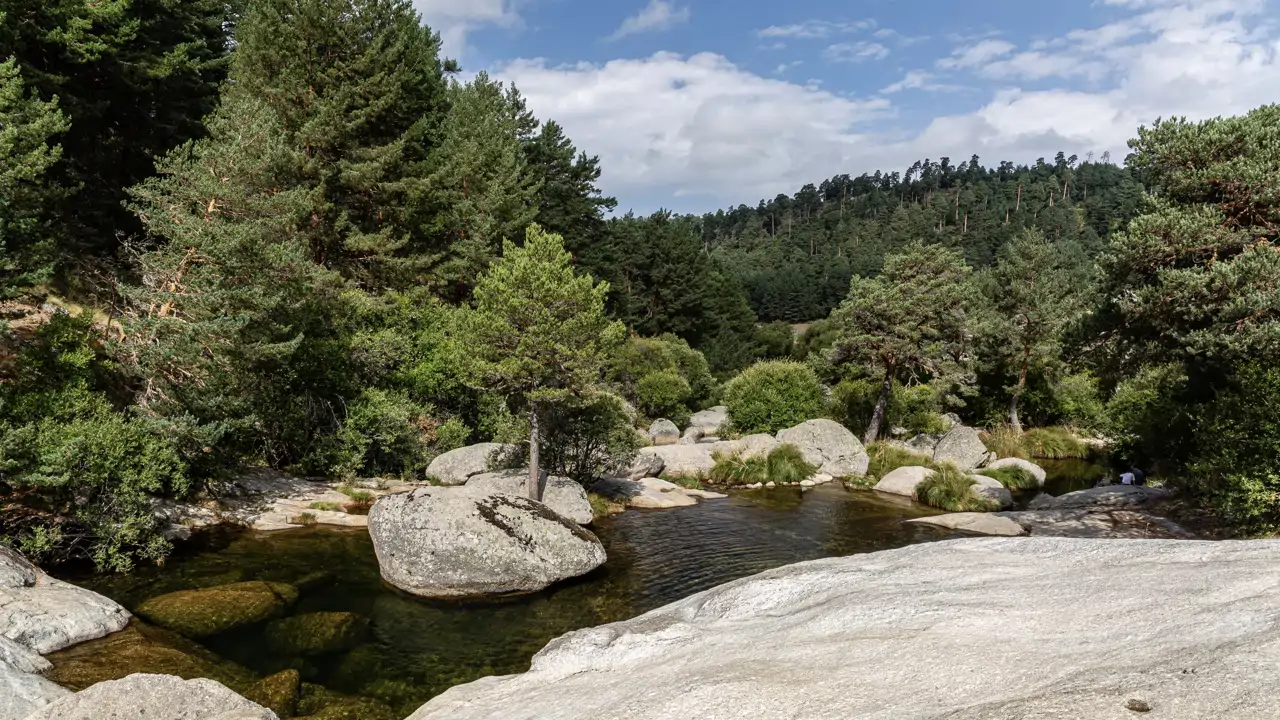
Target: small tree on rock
x=910 y=321
x=538 y=332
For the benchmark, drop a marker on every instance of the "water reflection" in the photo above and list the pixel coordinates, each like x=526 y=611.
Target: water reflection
x=418 y=649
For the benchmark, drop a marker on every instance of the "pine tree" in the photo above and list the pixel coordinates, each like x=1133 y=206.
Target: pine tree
x=1036 y=291
x=909 y=323
x=479 y=188
x=569 y=202
x=538 y=332
x=29 y=129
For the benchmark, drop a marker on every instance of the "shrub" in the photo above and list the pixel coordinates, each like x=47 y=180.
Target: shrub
x=735 y=469
x=773 y=395
x=386 y=433
x=774 y=340
x=664 y=395
x=1148 y=414
x=786 y=464
x=886 y=458
x=587 y=438
x=915 y=408
x=1078 y=401
x=1013 y=478
x=948 y=488
x=1236 y=469
x=639 y=358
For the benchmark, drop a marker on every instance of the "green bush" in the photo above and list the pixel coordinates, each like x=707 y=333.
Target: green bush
x=1148 y=414
x=587 y=438
x=386 y=434
x=77 y=476
x=1236 y=469
x=948 y=488
x=786 y=464
x=1013 y=478
x=886 y=458
x=915 y=408
x=773 y=395
x=639 y=358
x=1078 y=401
x=664 y=394
x=774 y=340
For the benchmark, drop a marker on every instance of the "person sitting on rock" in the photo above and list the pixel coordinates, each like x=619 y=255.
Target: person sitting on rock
x=1139 y=477
x=1127 y=478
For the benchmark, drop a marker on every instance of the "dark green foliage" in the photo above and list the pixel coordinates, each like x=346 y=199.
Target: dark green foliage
x=663 y=376
x=774 y=340
x=886 y=458
x=1013 y=478
x=588 y=439
x=76 y=475
x=948 y=488
x=136 y=79
x=773 y=395
x=664 y=395
x=385 y=434
x=915 y=408
x=1237 y=465
x=786 y=464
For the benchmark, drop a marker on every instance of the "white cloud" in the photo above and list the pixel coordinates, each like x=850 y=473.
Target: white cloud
x=977 y=54
x=856 y=51
x=699 y=132
x=815 y=29
x=657 y=15
x=453 y=19
x=918 y=80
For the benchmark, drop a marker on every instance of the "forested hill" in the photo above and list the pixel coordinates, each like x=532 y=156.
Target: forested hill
x=795 y=255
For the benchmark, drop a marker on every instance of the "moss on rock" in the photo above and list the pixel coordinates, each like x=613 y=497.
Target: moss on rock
x=320 y=703
x=141 y=648
x=210 y=611
x=278 y=693
x=316 y=633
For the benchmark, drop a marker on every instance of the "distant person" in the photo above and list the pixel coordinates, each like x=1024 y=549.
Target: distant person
x=1139 y=477
x=1127 y=478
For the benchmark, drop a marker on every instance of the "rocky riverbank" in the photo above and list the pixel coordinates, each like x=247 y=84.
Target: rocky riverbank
x=979 y=629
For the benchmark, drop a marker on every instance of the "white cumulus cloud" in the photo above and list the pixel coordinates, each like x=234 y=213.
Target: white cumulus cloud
x=657 y=15
x=453 y=19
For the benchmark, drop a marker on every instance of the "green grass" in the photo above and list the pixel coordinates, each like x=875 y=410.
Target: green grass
x=948 y=489
x=738 y=470
x=1013 y=478
x=602 y=506
x=688 y=482
x=1051 y=443
x=305 y=518
x=326 y=506
x=886 y=458
x=786 y=464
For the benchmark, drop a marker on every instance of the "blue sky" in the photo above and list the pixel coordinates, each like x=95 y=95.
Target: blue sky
x=700 y=104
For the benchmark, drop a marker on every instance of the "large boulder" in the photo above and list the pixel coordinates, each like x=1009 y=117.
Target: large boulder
x=684 y=459
x=22 y=689
x=154 y=697
x=963 y=447
x=830 y=446
x=44 y=614
x=693 y=435
x=759 y=445
x=972 y=629
x=1110 y=524
x=664 y=432
x=923 y=444
x=209 y=611
x=456 y=466
x=710 y=420
x=646 y=464
x=904 y=480
x=1109 y=497
x=448 y=542
x=977 y=523
x=1021 y=464
x=558 y=493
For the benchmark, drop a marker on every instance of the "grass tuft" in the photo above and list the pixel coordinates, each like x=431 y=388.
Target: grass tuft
x=1013 y=478
x=738 y=470
x=948 y=489
x=786 y=464
x=886 y=458
x=326 y=506
x=1052 y=443
x=602 y=506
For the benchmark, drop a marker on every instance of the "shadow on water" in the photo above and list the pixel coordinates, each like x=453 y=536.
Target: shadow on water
x=418 y=649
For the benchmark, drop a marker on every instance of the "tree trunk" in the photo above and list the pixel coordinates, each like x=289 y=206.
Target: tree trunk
x=1014 y=420
x=533 y=485
x=882 y=404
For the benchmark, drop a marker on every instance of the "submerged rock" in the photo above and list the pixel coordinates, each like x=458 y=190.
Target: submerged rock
x=44 y=614
x=141 y=648
x=830 y=446
x=447 y=542
x=558 y=493
x=646 y=494
x=154 y=697
x=316 y=633
x=456 y=466
x=278 y=693
x=319 y=703
x=963 y=447
x=1078 y=627
x=210 y=611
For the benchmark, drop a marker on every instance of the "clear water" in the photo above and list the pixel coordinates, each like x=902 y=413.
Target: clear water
x=418 y=649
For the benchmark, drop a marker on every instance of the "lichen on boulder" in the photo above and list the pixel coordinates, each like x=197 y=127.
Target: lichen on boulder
x=210 y=611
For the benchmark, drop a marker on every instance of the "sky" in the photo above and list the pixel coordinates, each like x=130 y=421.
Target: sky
x=696 y=105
